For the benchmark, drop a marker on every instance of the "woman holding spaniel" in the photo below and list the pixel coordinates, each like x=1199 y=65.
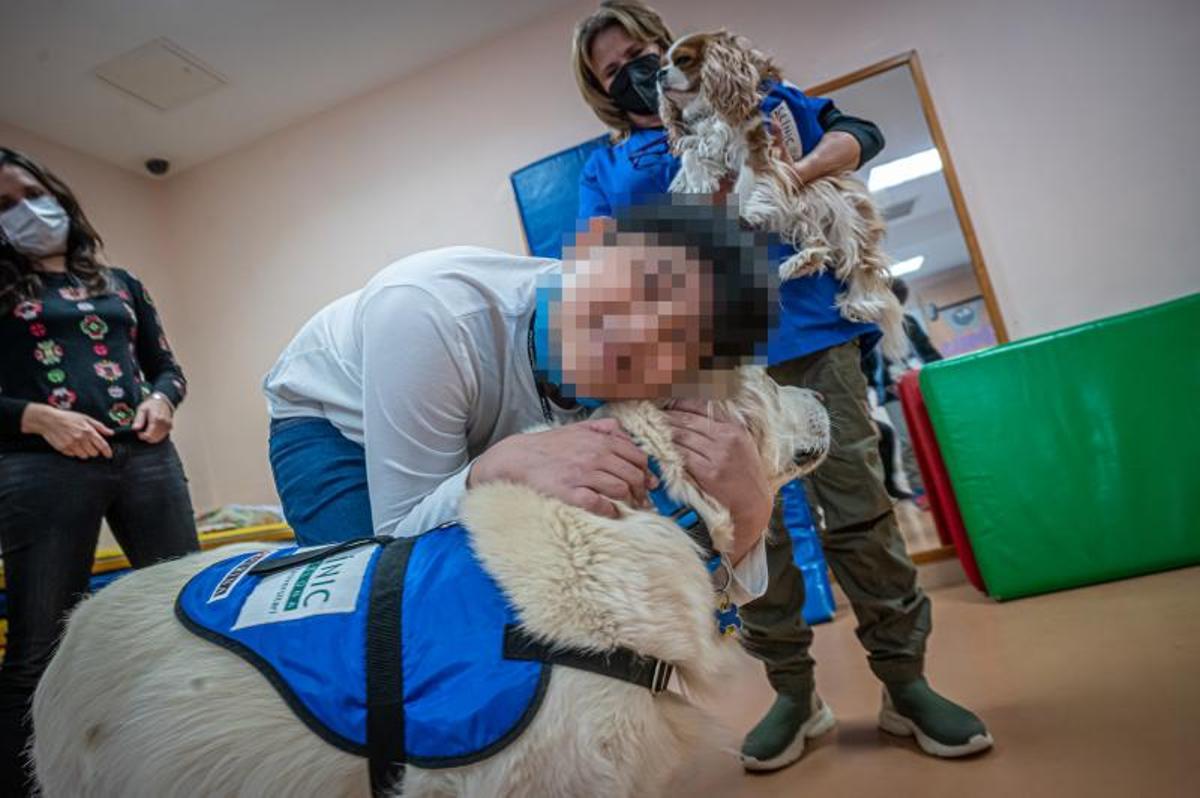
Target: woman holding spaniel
x=616 y=58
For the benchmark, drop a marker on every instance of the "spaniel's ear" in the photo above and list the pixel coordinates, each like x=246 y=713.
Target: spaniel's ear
x=729 y=78
x=672 y=118
x=763 y=65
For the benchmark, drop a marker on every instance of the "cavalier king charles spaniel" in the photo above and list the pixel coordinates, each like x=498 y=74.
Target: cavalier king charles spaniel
x=711 y=88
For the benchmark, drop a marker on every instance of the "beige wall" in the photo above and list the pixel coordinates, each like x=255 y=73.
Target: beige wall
x=126 y=210
x=1070 y=123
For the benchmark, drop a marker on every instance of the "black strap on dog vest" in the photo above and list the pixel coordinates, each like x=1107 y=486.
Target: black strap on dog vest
x=275 y=564
x=385 y=675
x=622 y=663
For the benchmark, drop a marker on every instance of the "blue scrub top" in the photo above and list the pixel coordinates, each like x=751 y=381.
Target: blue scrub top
x=642 y=166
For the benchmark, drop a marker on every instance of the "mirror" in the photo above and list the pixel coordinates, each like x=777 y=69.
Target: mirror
x=933 y=249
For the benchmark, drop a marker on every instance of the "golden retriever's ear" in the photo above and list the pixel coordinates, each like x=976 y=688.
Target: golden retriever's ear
x=759 y=404
x=753 y=405
x=729 y=78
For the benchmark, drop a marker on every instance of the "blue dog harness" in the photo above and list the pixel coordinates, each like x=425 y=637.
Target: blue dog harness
x=401 y=650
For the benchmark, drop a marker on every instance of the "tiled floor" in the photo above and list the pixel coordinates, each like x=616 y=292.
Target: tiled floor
x=1090 y=692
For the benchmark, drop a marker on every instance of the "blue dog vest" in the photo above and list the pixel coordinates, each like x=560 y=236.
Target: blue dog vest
x=403 y=637
x=401 y=650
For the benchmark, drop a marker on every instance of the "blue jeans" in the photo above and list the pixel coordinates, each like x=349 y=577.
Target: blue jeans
x=321 y=477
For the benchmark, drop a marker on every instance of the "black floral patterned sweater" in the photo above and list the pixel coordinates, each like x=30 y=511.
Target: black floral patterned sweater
x=98 y=355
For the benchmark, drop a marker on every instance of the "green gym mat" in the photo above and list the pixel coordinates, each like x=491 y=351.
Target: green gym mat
x=1075 y=455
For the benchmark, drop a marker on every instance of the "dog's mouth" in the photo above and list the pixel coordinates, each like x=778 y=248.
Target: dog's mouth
x=806 y=460
x=675 y=83
x=679 y=97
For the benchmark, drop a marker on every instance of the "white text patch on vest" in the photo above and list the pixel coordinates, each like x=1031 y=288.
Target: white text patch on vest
x=322 y=587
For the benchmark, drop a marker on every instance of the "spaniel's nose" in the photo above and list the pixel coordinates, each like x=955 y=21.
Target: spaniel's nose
x=662 y=75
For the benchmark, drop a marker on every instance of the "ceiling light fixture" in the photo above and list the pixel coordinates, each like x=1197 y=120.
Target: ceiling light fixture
x=902 y=170
x=907 y=266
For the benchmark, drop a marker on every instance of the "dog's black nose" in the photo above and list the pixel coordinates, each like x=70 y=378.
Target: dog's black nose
x=662 y=75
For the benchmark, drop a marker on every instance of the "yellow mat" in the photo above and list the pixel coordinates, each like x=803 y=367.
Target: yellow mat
x=112 y=559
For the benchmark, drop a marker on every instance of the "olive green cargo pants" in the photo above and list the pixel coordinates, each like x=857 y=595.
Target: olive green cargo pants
x=859 y=534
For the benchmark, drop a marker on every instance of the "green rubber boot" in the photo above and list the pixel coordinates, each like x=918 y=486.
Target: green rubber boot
x=942 y=727
x=778 y=739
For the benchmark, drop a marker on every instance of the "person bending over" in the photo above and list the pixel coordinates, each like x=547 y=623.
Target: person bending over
x=394 y=400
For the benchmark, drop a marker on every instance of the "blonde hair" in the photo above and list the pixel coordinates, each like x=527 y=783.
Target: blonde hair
x=643 y=24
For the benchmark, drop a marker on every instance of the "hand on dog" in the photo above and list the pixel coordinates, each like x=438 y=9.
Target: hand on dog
x=722 y=459
x=588 y=465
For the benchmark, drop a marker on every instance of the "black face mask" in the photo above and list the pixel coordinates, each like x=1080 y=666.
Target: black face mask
x=635 y=87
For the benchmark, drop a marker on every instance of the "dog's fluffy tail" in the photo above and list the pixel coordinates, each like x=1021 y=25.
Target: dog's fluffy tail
x=880 y=307
x=895 y=341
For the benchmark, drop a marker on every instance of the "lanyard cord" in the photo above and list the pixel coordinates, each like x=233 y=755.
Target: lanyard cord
x=537 y=383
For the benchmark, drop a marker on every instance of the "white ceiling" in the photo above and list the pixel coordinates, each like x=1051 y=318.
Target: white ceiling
x=284 y=60
x=931 y=230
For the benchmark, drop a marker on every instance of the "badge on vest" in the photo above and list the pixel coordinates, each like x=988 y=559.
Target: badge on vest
x=782 y=120
x=235 y=575
x=322 y=587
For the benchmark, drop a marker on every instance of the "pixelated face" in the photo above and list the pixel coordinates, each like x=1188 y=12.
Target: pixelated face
x=634 y=320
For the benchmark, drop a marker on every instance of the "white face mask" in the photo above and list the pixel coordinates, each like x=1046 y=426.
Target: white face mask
x=36 y=227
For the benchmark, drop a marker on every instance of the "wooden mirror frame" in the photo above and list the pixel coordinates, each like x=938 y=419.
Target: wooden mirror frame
x=913 y=62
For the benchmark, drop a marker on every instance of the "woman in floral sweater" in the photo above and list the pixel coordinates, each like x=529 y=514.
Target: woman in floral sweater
x=88 y=388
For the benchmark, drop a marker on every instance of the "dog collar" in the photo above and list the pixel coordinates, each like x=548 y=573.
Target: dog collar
x=683 y=515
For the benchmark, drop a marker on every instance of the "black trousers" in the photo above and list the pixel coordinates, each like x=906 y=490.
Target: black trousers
x=51 y=507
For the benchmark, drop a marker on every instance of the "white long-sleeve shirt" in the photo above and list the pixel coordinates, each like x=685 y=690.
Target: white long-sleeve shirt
x=426 y=367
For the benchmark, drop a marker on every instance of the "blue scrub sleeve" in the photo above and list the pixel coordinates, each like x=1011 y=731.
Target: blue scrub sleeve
x=592 y=200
